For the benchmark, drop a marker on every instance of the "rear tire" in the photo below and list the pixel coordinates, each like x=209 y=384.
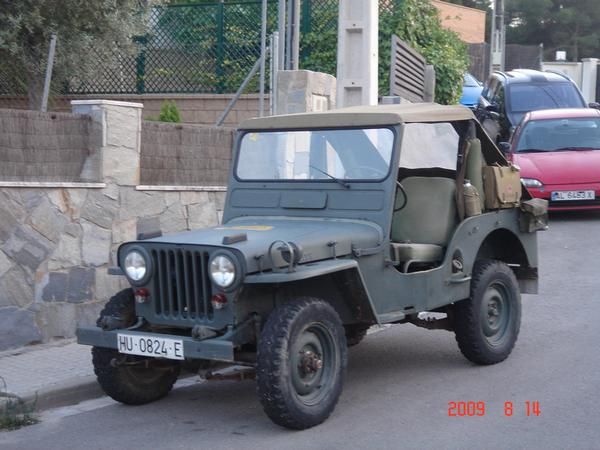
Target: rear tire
x=130 y=384
x=487 y=324
x=301 y=363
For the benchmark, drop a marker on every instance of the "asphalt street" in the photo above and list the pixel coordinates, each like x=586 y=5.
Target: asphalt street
x=399 y=385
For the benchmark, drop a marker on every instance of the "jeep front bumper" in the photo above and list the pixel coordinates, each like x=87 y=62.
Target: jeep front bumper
x=214 y=349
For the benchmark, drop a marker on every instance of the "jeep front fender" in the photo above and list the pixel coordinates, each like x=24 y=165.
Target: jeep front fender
x=322 y=269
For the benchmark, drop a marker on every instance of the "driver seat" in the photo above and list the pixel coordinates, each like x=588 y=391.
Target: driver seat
x=422 y=229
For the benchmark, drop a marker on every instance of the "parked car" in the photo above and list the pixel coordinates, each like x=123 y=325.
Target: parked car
x=558 y=151
x=507 y=96
x=471 y=91
x=333 y=222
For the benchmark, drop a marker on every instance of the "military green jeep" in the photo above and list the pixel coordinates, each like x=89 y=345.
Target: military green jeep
x=333 y=222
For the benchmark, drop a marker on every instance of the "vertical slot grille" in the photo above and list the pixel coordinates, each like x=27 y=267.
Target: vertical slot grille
x=181 y=284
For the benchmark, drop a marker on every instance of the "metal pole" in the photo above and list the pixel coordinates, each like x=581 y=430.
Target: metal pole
x=296 y=37
x=238 y=94
x=281 y=26
x=263 y=58
x=288 y=36
x=49 y=67
x=271 y=73
x=276 y=65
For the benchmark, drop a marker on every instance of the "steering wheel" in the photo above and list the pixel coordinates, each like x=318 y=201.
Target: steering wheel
x=363 y=171
x=405 y=202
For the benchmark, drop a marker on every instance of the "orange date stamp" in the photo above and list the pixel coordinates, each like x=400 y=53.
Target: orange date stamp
x=480 y=409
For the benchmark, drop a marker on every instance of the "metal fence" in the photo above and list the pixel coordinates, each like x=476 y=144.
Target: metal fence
x=200 y=48
x=208 y=47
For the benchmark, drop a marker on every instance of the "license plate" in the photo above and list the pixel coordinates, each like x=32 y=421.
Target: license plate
x=573 y=195
x=157 y=347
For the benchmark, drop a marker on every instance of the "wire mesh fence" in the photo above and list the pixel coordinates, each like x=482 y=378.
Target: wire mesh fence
x=202 y=48
x=208 y=47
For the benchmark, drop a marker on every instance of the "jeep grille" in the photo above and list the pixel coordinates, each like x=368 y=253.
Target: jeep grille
x=182 y=284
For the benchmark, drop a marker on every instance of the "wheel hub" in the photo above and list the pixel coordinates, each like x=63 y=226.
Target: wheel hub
x=310 y=362
x=495 y=313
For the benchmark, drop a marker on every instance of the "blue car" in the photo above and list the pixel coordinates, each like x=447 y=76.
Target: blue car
x=472 y=88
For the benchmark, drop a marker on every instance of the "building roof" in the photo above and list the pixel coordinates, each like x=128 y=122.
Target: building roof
x=363 y=116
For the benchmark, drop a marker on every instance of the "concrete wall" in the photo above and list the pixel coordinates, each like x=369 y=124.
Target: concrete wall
x=469 y=23
x=58 y=239
x=194 y=108
x=304 y=91
x=185 y=155
x=48 y=147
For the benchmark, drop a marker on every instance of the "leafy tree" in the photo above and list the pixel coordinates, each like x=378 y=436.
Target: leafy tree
x=26 y=27
x=570 y=25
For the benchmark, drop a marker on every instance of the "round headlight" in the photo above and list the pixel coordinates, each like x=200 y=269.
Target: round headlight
x=222 y=271
x=135 y=265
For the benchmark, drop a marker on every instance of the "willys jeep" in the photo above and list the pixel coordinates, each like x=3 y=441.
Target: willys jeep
x=333 y=222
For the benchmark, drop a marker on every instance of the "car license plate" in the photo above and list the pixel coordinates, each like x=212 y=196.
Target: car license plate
x=573 y=195
x=155 y=346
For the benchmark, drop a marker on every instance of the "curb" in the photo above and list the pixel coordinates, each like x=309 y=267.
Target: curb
x=65 y=393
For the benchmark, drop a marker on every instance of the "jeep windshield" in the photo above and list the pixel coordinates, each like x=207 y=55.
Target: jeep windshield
x=323 y=155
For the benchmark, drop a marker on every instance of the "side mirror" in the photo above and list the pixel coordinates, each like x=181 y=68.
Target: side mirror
x=504 y=147
x=594 y=105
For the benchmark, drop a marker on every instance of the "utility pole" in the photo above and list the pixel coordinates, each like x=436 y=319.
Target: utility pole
x=358 y=53
x=498 y=44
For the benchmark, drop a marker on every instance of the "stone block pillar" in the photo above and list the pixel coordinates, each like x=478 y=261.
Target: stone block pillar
x=304 y=91
x=589 y=73
x=121 y=125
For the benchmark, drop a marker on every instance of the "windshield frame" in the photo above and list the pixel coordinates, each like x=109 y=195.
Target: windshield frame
x=392 y=127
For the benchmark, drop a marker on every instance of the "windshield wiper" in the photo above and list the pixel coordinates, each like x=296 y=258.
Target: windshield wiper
x=337 y=180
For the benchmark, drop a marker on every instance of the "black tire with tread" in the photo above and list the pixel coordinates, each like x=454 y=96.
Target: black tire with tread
x=273 y=372
x=467 y=314
x=127 y=384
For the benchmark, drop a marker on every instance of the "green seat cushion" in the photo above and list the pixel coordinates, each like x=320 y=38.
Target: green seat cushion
x=430 y=213
x=417 y=252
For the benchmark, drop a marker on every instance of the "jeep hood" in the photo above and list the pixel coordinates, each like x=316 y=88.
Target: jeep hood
x=317 y=239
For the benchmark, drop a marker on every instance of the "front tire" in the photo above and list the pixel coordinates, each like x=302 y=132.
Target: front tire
x=126 y=378
x=355 y=333
x=487 y=324
x=301 y=363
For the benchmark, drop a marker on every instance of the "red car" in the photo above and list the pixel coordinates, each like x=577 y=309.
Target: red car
x=558 y=151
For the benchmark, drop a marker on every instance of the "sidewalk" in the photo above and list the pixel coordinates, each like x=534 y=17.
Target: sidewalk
x=57 y=374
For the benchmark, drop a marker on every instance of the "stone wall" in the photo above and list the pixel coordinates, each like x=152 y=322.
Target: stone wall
x=194 y=108
x=57 y=241
x=185 y=155
x=37 y=146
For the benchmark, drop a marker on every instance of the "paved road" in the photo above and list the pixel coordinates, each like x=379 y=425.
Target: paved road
x=399 y=384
